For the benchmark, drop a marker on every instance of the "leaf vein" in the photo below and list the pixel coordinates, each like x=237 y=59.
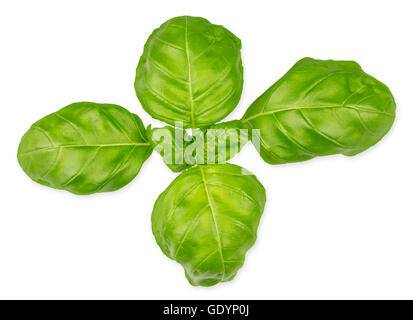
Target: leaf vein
x=219 y=79
x=87 y=162
x=316 y=107
x=53 y=165
x=146 y=144
x=46 y=134
x=189 y=229
x=165 y=71
x=233 y=189
x=202 y=261
x=73 y=125
x=169 y=44
x=290 y=138
x=325 y=136
x=189 y=74
x=116 y=170
x=114 y=123
x=223 y=100
x=239 y=223
x=173 y=209
x=205 y=50
x=172 y=105
x=211 y=204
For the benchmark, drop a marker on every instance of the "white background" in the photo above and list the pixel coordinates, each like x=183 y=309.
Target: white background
x=333 y=227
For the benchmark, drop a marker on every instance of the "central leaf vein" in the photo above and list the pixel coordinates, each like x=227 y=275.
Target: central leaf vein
x=212 y=206
x=191 y=100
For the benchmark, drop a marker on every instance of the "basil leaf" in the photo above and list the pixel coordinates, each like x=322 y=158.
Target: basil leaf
x=318 y=108
x=190 y=71
x=207 y=219
x=85 y=148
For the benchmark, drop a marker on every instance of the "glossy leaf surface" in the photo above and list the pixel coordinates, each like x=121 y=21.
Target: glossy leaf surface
x=318 y=108
x=85 y=148
x=207 y=219
x=190 y=71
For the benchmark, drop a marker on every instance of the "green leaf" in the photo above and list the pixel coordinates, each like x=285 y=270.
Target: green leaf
x=190 y=71
x=207 y=220
x=85 y=148
x=318 y=108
